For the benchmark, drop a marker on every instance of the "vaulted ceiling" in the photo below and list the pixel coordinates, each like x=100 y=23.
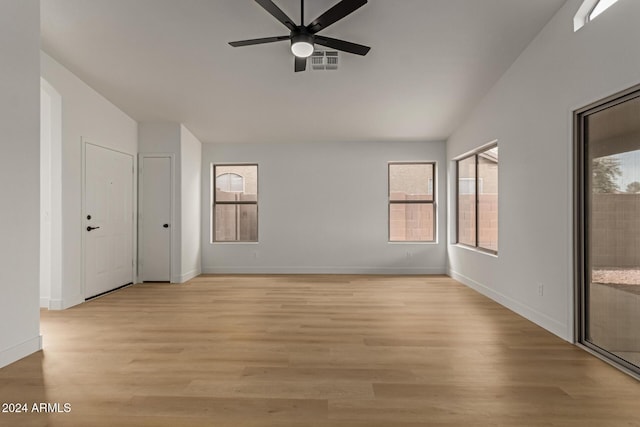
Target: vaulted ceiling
x=169 y=60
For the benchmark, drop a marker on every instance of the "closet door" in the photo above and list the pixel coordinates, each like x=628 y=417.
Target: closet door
x=155 y=223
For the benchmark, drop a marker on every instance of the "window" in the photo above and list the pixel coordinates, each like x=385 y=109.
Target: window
x=600 y=7
x=590 y=10
x=468 y=185
x=235 y=203
x=477 y=190
x=412 y=202
x=230 y=182
x=467 y=201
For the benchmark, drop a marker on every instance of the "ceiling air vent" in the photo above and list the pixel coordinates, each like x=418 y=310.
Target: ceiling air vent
x=324 y=60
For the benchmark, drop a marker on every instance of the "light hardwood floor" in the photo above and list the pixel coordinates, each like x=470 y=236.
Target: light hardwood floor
x=347 y=351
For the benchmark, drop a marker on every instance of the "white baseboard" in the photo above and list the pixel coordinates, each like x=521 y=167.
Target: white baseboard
x=63 y=304
x=73 y=301
x=552 y=325
x=326 y=270
x=186 y=276
x=44 y=302
x=56 y=304
x=20 y=351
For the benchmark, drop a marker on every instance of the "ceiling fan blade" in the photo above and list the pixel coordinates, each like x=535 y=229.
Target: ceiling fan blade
x=301 y=64
x=258 y=41
x=334 y=14
x=274 y=10
x=342 y=45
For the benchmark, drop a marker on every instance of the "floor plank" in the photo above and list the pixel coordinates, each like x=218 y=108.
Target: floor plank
x=318 y=351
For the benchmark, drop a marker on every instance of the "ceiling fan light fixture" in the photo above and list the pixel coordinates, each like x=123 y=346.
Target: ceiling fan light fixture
x=304 y=37
x=302 y=45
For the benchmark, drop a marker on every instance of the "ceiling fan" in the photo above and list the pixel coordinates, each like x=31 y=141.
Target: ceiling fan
x=303 y=38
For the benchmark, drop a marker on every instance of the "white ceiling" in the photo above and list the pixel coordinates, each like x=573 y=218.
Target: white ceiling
x=169 y=60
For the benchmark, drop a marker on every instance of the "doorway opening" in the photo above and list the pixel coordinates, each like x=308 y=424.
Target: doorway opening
x=50 y=197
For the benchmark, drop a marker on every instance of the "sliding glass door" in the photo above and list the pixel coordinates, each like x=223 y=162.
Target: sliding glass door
x=609 y=228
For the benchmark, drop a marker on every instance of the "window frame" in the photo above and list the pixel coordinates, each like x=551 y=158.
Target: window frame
x=413 y=202
x=475 y=154
x=582 y=220
x=215 y=202
x=583 y=15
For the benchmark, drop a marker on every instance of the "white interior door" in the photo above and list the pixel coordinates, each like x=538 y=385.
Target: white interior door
x=108 y=220
x=155 y=220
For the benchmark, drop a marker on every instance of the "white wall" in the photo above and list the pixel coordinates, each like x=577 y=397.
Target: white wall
x=176 y=140
x=159 y=137
x=529 y=111
x=19 y=179
x=85 y=114
x=191 y=178
x=323 y=208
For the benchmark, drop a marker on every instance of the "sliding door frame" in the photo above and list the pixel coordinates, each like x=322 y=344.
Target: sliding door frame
x=582 y=243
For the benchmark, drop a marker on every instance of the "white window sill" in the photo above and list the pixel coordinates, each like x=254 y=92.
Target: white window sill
x=472 y=249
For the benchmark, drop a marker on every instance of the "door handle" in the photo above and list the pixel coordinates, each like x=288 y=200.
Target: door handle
x=89 y=228
x=165 y=225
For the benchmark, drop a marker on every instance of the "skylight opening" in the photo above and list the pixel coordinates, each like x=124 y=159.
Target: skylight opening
x=600 y=7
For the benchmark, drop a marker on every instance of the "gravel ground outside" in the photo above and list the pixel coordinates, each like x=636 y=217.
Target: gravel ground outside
x=618 y=276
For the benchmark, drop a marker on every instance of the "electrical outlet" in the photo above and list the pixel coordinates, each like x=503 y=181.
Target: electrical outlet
x=540 y=289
